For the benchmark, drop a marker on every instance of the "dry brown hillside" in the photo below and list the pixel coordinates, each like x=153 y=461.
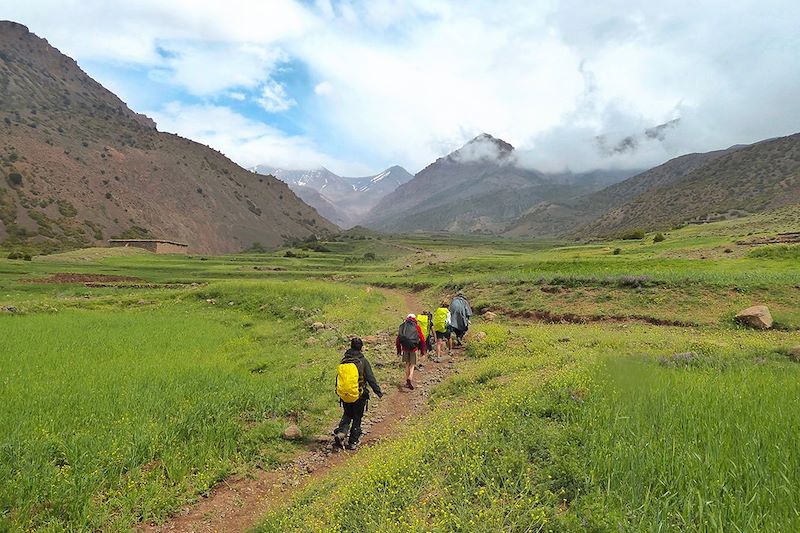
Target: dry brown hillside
x=756 y=178
x=77 y=167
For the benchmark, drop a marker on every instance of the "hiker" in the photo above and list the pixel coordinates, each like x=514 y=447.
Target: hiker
x=460 y=312
x=352 y=377
x=442 y=330
x=425 y=321
x=409 y=340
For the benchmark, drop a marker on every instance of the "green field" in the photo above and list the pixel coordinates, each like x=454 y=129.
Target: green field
x=123 y=401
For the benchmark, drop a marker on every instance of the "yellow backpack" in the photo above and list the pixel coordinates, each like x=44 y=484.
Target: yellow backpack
x=422 y=320
x=349 y=380
x=440 y=320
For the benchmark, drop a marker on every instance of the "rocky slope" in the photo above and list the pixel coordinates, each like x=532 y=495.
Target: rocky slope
x=77 y=167
x=693 y=188
x=477 y=188
x=757 y=178
x=342 y=200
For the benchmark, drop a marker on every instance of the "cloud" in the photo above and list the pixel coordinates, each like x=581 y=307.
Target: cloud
x=274 y=98
x=323 y=88
x=573 y=85
x=246 y=141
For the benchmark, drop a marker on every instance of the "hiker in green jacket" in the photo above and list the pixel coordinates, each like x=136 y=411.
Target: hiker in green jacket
x=352 y=377
x=442 y=330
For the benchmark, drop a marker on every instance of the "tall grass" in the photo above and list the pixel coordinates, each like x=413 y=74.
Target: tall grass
x=696 y=449
x=115 y=415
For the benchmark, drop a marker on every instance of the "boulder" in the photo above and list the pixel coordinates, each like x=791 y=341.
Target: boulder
x=489 y=315
x=757 y=316
x=316 y=326
x=794 y=354
x=8 y=309
x=480 y=335
x=292 y=432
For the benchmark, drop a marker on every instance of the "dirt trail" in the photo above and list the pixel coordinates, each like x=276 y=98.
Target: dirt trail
x=237 y=504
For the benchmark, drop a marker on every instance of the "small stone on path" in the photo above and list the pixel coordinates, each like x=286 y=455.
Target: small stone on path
x=292 y=432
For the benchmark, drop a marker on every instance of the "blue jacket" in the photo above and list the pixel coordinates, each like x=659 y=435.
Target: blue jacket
x=460 y=311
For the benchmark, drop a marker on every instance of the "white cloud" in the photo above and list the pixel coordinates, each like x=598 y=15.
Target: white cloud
x=246 y=141
x=406 y=81
x=274 y=98
x=324 y=88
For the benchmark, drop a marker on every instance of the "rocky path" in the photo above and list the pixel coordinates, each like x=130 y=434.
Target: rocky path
x=239 y=503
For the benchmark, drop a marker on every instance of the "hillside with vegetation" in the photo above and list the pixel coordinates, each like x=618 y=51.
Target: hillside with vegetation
x=602 y=387
x=479 y=188
x=691 y=189
x=78 y=167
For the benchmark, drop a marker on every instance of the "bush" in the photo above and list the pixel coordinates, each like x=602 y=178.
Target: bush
x=617 y=251
x=15 y=255
x=15 y=179
x=659 y=237
x=633 y=235
x=369 y=256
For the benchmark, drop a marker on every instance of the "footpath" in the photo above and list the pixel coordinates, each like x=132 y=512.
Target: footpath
x=238 y=504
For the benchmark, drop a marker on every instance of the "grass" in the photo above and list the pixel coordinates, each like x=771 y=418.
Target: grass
x=123 y=403
x=120 y=412
x=578 y=428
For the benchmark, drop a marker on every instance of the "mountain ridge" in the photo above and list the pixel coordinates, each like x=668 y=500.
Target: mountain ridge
x=78 y=166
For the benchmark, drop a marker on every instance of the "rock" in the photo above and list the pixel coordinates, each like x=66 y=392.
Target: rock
x=481 y=335
x=757 y=316
x=311 y=341
x=142 y=302
x=370 y=339
x=9 y=309
x=211 y=301
x=292 y=432
x=489 y=315
x=316 y=326
x=679 y=359
x=297 y=310
x=794 y=354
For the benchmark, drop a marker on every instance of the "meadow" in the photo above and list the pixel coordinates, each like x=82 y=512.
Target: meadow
x=612 y=391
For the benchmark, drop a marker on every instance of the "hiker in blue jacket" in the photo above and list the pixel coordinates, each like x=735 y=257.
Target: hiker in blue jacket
x=460 y=313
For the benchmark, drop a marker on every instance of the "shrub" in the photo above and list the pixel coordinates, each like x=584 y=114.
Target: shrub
x=617 y=251
x=632 y=235
x=15 y=179
x=15 y=255
x=369 y=256
x=659 y=237
x=66 y=209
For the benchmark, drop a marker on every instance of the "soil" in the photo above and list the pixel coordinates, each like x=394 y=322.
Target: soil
x=237 y=504
x=72 y=277
x=540 y=315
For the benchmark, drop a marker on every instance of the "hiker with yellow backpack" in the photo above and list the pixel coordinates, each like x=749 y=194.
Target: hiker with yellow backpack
x=352 y=377
x=442 y=330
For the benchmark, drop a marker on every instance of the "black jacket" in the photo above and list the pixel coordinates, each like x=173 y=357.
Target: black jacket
x=369 y=377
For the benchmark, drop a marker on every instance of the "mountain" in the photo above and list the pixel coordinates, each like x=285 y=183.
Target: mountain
x=742 y=180
x=549 y=219
x=477 y=188
x=340 y=199
x=77 y=166
x=693 y=188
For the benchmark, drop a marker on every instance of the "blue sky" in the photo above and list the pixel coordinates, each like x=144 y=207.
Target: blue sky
x=360 y=86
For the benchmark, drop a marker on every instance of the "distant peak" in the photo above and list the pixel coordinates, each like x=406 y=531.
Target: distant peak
x=501 y=145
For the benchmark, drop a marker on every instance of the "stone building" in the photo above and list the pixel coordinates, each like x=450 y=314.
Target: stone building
x=157 y=246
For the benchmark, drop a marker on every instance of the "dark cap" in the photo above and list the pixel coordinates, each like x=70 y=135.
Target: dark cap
x=356 y=343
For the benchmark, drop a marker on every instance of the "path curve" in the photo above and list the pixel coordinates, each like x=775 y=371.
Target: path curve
x=237 y=504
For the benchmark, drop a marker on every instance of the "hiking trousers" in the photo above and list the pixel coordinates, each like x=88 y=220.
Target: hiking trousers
x=352 y=414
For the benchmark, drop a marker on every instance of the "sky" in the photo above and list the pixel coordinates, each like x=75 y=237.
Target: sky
x=360 y=86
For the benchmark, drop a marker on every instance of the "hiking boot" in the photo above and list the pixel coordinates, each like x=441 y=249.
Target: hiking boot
x=338 y=438
x=352 y=446
x=409 y=384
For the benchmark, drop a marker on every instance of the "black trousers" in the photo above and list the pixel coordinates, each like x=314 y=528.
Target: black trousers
x=352 y=414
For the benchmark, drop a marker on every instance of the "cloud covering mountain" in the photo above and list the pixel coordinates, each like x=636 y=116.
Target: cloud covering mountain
x=353 y=85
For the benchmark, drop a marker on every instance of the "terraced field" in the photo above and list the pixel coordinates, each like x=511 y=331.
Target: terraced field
x=604 y=386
